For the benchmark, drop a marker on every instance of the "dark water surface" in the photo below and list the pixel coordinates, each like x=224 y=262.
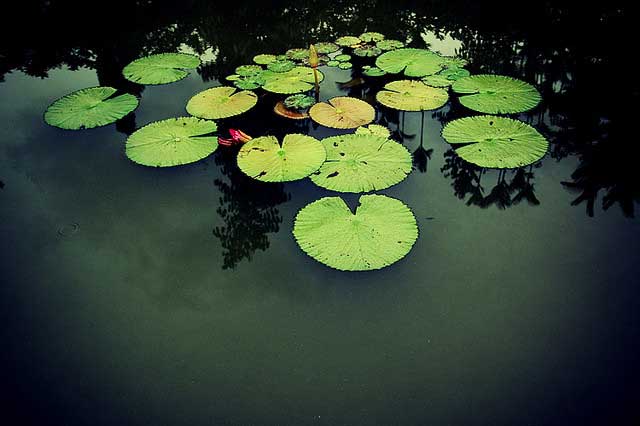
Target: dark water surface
x=141 y=296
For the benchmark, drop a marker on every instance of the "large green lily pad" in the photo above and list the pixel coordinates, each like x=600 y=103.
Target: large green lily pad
x=161 y=68
x=446 y=77
x=390 y=44
x=297 y=54
x=172 y=142
x=414 y=62
x=265 y=159
x=88 y=108
x=297 y=80
x=264 y=58
x=374 y=129
x=496 y=94
x=342 y=112
x=221 y=102
x=496 y=142
x=411 y=95
x=347 y=41
x=380 y=232
x=362 y=163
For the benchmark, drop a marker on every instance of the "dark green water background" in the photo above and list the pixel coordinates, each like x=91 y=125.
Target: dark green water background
x=140 y=296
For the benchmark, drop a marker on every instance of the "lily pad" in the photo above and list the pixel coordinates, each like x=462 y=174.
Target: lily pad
x=345 y=65
x=446 y=77
x=248 y=70
x=411 y=95
x=281 y=66
x=374 y=129
x=297 y=54
x=380 y=232
x=496 y=94
x=299 y=101
x=172 y=142
x=362 y=163
x=221 y=102
x=232 y=77
x=367 y=51
x=333 y=63
x=390 y=44
x=88 y=108
x=265 y=159
x=249 y=83
x=371 y=37
x=496 y=142
x=370 y=71
x=292 y=114
x=342 y=112
x=326 y=47
x=161 y=68
x=414 y=62
x=297 y=80
x=347 y=41
x=451 y=62
x=343 y=57
x=264 y=59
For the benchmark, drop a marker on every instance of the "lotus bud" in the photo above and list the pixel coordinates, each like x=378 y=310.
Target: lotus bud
x=313 y=56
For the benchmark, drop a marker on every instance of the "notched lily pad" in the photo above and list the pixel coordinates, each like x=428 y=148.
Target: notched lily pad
x=172 y=142
x=161 y=68
x=380 y=232
x=89 y=108
x=343 y=57
x=367 y=51
x=496 y=94
x=370 y=37
x=248 y=70
x=342 y=112
x=446 y=77
x=297 y=54
x=299 y=79
x=370 y=71
x=264 y=59
x=325 y=48
x=299 y=101
x=221 y=102
x=495 y=142
x=362 y=163
x=411 y=95
x=348 y=41
x=281 y=66
x=265 y=159
x=413 y=62
x=345 y=65
x=374 y=129
x=390 y=44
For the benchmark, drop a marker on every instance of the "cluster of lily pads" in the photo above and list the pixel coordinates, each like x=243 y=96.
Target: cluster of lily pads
x=382 y=230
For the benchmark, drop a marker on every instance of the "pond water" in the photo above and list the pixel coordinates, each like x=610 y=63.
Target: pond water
x=135 y=295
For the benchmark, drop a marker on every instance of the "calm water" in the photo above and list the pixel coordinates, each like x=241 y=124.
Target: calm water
x=139 y=296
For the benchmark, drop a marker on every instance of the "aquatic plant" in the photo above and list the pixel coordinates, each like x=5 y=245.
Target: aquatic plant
x=221 y=102
x=413 y=62
x=412 y=95
x=299 y=79
x=496 y=94
x=161 y=68
x=342 y=112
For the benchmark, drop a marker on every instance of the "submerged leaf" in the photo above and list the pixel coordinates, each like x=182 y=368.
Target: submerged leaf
x=342 y=112
x=299 y=79
x=88 y=108
x=172 y=142
x=161 y=68
x=265 y=159
x=380 y=232
x=496 y=142
x=221 y=102
x=362 y=163
x=414 y=62
x=411 y=95
x=496 y=94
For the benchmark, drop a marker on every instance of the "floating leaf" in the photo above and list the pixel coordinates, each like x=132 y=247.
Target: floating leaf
x=345 y=65
x=161 y=68
x=264 y=59
x=414 y=62
x=299 y=101
x=411 y=95
x=221 y=102
x=285 y=112
x=172 y=142
x=342 y=112
x=232 y=77
x=281 y=66
x=496 y=94
x=390 y=44
x=248 y=70
x=451 y=62
x=370 y=71
x=496 y=142
x=367 y=51
x=265 y=159
x=374 y=129
x=380 y=232
x=327 y=47
x=347 y=41
x=362 y=163
x=371 y=37
x=249 y=83
x=446 y=77
x=88 y=108
x=297 y=54
x=299 y=79
x=333 y=63
x=343 y=57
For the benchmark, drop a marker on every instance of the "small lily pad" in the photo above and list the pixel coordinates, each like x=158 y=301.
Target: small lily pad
x=380 y=232
x=333 y=63
x=265 y=159
x=248 y=70
x=342 y=112
x=496 y=94
x=161 y=68
x=343 y=57
x=451 y=62
x=249 y=83
x=367 y=51
x=292 y=114
x=411 y=95
x=297 y=54
x=324 y=47
x=345 y=65
x=370 y=71
x=371 y=37
x=299 y=101
x=300 y=79
x=374 y=129
x=389 y=44
x=446 y=77
x=172 y=142
x=496 y=142
x=232 y=77
x=414 y=62
x=89 y=108
x=348 y=41
x=264 y=59
x=362 y=163
x=221 y=102
x=281 y=66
